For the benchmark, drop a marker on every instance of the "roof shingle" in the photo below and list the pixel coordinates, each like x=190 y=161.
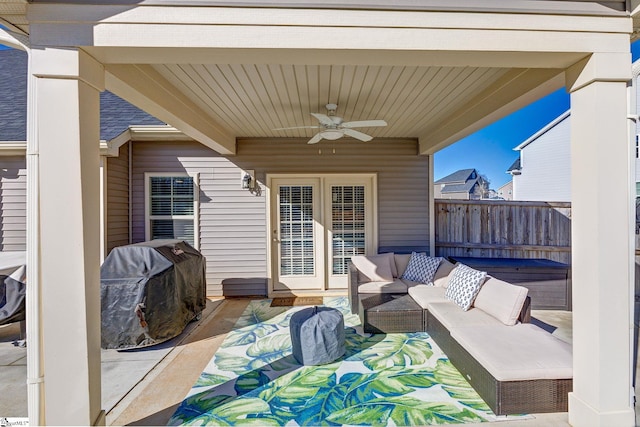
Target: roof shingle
x=116 y=114
x=459 y=176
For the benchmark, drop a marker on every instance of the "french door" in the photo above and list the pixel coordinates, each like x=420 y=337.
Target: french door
x=317 y=224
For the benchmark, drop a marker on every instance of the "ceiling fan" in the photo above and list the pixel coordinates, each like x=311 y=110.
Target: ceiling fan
x=333 y=127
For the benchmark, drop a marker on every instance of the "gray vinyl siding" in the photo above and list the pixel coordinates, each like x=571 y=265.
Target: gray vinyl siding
x=117 y=227
x=233 y=222
x=13 y=203
x=546 y=167
x=402 y=176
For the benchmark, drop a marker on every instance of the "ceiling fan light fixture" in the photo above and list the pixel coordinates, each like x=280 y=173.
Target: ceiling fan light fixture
x=331 y=134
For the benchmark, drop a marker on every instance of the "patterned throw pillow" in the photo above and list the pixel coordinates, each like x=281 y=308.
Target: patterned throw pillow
x=421 y=268
x=464 y=285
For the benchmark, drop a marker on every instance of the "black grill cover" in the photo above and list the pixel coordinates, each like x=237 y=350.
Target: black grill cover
x=149 y=292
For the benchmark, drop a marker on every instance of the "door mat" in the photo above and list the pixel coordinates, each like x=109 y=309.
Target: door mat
x=295 y=301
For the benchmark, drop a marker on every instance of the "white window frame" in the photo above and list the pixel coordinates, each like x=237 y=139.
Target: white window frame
x=196 y=203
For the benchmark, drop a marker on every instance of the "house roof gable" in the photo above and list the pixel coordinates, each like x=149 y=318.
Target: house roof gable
x=461 y=176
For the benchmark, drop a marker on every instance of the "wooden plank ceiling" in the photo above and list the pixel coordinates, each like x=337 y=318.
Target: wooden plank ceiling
x=252 y=100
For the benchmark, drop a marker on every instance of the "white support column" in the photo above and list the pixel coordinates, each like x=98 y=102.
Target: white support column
x=432 y=209
x=67 y=87
x=602 y=253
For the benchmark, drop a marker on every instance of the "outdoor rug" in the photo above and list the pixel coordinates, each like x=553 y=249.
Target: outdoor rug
x=382 y=380
x=296 y=301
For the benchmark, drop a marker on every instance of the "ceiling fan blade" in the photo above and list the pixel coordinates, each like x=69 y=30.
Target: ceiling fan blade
x=300 y=127
x=316 y=138
x=363 y=124
x=323 y=119
x=357 y=135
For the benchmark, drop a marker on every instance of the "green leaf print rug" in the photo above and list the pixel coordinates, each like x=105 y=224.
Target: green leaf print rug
x=382 y=380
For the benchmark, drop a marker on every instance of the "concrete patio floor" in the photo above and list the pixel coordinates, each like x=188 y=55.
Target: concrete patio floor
x=145 y=387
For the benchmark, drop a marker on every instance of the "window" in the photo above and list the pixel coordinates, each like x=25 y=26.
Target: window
x=171 y=207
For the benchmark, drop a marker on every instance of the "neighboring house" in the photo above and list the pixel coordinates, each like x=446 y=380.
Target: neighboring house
x=506 y=191
x=465 y=184
x=542 y=171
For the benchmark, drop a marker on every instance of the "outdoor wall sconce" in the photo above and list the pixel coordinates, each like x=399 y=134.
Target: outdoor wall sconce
x=249 y=182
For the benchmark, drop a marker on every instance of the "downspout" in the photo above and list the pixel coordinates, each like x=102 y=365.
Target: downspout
x=129 y=162
x=35 y=371
x=103 y=207
x=632 y=89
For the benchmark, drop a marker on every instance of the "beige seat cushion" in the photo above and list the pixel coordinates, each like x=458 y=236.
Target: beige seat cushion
x=514 y=353
x=382 y=287
x=502 y=300
x=425 y=294
x=410 y=283
x=451 y=315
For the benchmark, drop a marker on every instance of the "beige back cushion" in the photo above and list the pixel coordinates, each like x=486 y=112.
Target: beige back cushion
x=441 y=278
x=502 y=300
x=401 y=262
x=374 y=268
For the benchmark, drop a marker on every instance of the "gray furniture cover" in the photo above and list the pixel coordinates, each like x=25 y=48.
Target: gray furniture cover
x=13 y=292
x=317 y=335
x=149 y=292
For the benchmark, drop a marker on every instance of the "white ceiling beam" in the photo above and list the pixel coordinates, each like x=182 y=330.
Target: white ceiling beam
x=327 y=17
x=280 y=28
x=514 y=90
x=190 y=55
x=145 y=88
x=328 y=38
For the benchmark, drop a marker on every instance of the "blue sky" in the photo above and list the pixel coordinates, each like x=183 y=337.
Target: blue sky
x=490 y=150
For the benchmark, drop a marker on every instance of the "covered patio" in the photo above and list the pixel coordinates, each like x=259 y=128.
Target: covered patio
x=226 y=72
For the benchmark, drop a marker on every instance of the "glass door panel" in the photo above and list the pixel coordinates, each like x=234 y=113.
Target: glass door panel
x=347 y=225
x=298 y=235
x=350 y=219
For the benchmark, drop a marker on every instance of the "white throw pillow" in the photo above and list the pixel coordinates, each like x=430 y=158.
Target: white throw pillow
x=464 y=284
x=376 y=268
x=421 y=268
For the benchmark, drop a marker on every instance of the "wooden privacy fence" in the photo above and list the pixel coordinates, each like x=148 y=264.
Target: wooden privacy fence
x=503 y=229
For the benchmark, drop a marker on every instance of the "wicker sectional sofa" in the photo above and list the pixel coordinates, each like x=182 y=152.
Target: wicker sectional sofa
x=515 y=366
